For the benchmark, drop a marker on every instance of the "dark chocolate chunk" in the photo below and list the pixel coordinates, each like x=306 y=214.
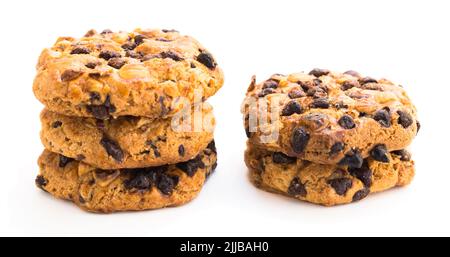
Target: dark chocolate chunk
x=63 y=161
x=290 y=108
x=319 y=72
x=139 y=180
x=320 y=103
x=404 y=119
x=364 y=174
x=404 y=155
x=166 y=183
x=383 y=117
x=380 y=153
x=367 y=80
x=270 y=84
x=102 y=111
x=207 y=59
x=352 y=159
x=181 y=150
x=129 y=46
x=107 y=54
x=341 y=185
x=91 y=65
x=336 y=148
x=69 y=75
x=80 y=50
x=41 y=182
x=171 y=55
x=349 y=84
x=281 y=158
x=212 y=146
x=299 y=140
x=296 y=188
x=190 y=167
x=112 y=148
x=139 y=39
x=296 y=93
x=116 y=62
x=346 y=122
x=266 y=92
x=361 y=194
x=56 y=124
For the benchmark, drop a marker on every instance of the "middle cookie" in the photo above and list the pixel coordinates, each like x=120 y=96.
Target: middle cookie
x=128 y=141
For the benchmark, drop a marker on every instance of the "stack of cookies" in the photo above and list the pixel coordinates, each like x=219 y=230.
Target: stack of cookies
x=125 y=126
x=328 y=138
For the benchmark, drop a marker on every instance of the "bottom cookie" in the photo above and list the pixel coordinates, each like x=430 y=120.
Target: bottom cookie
x=327 y=184
x=107 y=191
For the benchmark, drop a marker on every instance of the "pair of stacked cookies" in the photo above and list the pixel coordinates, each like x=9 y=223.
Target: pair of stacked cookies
x=125 y=124
x=328 y=138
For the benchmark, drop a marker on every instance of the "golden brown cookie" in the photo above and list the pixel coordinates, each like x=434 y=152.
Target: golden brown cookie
x=141 y=73
x=326 y=184
x=127 y=141
x=107 y=191
x=329 y=118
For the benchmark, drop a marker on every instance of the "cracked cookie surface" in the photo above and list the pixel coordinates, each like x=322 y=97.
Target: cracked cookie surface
x=329 y=118
x=108 y=191
x=128 y=141
x=326 y=184
x=141 y=73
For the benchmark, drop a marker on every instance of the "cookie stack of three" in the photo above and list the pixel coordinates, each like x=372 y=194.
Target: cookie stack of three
x=329 y=138
x=125 y=125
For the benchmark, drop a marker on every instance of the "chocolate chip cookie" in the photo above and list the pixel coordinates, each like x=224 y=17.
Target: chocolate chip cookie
x=127 y=141
x=327 y=184
x=107 y=191
x=141 y=73
x=330 y=118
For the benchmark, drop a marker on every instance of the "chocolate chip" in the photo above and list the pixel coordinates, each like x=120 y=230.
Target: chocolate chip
x=41 y=182
x=361 y=194
x=367 y=80
x=341 y=185
x=320 y=103
x=171 y=55
x=94 y=75
x=296 y=93
x=270 y=84
x=296 y=188
x=106 y=31
x=193 y=66
x=340 y=105
x=69 y=75
x=91 y=65
x=319 y=72
x=404 y=155
x=316 y=92
x=212 y=146
x=191 y=167
x=290 y=108
x=90 y=33
x=336 y=148
x=418 y=126
x=383 y=117
x=107 y=54
x=181 y=150
x=281 y=158
x=112 y=148
x=139 y=181
x=299 y=139
x=154 y=148
x=169 y=31
x=56 y=124
x=380 y=153
x=346 y=122
x=207 y=59
x=139 y=39
x=166 y=183
x=349 y=84
x=116 y=62
x=129 y=46
x=80 y=50
x=352 y=159
x=404 y=119
x=364 y=174
x=94 y=96
x=102 y=111
x=353 y=73
x=266 y=92
x=63 y=161
x=135 y=55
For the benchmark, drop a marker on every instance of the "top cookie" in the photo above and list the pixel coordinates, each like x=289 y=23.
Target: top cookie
x=150 y=73
x=330 y=118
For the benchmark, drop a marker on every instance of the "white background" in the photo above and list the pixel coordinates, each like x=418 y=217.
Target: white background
x=406 y=41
